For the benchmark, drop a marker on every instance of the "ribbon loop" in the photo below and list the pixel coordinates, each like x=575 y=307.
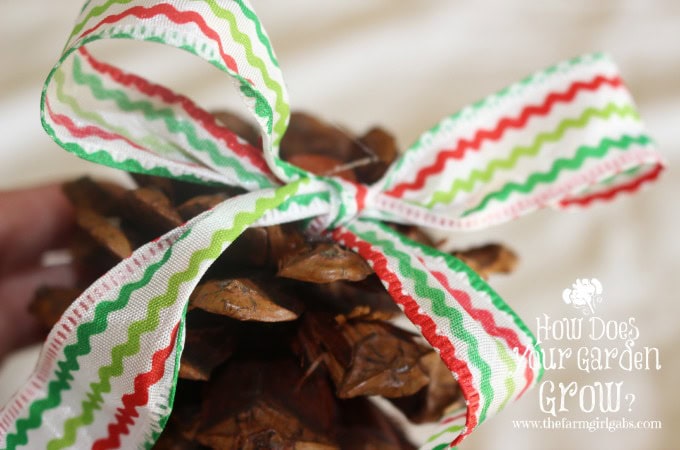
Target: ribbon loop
x=564 y=136
x=89 y=105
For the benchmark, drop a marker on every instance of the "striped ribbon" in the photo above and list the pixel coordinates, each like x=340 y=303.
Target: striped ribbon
x=564 y=137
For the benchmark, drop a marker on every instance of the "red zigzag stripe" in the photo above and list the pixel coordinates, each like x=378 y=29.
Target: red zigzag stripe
x=207 y=120
x=452 y=419
x=174 y=15
x=91 y=130
x=486 y=319
x=126 y=415
x=608 y=195
x=504 y=124
x=426 y=324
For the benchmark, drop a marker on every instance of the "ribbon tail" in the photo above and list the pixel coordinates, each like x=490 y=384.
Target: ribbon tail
x=490 y=351
x=111 y=362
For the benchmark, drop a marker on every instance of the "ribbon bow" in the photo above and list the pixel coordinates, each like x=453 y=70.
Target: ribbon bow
x=563 y=137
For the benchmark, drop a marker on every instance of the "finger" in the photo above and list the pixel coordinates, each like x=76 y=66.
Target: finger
x=17 y=326
x=31 y=221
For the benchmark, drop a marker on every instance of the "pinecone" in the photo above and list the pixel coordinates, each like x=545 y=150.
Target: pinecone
x=286 y=336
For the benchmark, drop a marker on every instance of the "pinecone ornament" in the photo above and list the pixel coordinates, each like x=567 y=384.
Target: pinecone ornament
x=287 y=335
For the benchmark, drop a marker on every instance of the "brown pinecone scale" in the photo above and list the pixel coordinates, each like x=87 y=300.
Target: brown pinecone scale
x=287 y=337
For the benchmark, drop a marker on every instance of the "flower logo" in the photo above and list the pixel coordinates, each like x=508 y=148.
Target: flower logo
x=584 y=294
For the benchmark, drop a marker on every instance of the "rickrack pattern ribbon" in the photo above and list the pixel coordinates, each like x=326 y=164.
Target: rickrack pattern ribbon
x=566 y=136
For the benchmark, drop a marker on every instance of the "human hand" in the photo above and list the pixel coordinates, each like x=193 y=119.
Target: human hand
x=31 y=221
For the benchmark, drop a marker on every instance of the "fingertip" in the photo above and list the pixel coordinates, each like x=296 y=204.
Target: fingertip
x=17 y=289
x=31 y=221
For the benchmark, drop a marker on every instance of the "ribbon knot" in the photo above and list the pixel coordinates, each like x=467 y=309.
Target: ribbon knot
x=347 y=201
x=566 y=136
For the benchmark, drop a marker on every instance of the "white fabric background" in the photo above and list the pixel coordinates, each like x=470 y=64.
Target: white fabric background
x=404 y=65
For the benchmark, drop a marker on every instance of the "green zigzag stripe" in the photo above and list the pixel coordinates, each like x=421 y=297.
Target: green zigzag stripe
x=282 y=108
x=628 y=173
x=165 y=114
x=152 y=320
x=85 y=6
x=101 y=156
x=149 y=140
x=451 y=429
x=128 y=165
x=95 y=12
x=616 y=178
x=456 y=265
x=342 y=210
x=172 y=123
x=261 y=105
x=583 y=153
x=84 y=333
x=304 y=200
x=261 y=108
x=444 y=447
x=262 y=37
x=509 y=163
x=439 y=307
x=511 y=365
x=491 y=100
